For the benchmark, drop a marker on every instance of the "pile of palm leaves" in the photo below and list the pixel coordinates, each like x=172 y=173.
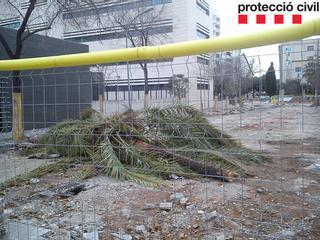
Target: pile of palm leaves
x=158 y=142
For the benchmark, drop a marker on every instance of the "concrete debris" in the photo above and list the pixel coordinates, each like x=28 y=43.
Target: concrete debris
x=283 y=235
x=89 y=186
x=64 y=190
x=54 y=226
x=166 y=206
x=103 y=198
x=27 y=145
x=91 y=235
x=121 y=236
x=35 y=134
x=314 y=167
x=149 y=206
x=176 y=197
x=44 y=156
x=224 y=237
x=20 y=229
x=181 y=220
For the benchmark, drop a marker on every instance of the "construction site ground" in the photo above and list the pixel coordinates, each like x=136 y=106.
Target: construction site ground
x=280 y=202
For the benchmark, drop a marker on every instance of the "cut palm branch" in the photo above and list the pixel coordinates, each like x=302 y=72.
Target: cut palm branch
x=140 y=146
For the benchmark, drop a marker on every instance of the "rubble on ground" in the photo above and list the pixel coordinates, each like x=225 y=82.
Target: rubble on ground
x=268 y=206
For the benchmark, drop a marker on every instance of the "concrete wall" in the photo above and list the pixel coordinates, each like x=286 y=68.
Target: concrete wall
x=49 y=96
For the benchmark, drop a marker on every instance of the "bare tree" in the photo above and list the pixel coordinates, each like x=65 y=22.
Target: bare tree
x=35 y=12
x=233 y=76
x=311 y=73
x=178 y=86
x=138 y=26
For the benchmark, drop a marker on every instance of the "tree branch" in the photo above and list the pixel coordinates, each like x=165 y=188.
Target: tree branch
x=6 y=47
x=44 y=28
x=15 y=8
x=23 y=28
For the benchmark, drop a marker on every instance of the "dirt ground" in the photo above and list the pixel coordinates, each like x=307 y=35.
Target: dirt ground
x=280 y=202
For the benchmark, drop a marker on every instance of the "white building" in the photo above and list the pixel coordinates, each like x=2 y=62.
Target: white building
x=179 y=21
x=294 y=56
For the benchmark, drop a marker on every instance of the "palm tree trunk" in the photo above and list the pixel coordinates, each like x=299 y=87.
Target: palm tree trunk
x=203 y=168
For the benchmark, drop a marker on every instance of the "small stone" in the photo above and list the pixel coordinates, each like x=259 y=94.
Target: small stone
x=190 y=207
x=195 y=226
x=89 y=186
x=224 y=237
x=261 y=190
x=167 y=206
x=182 y=235
x=211 y=216
x=125 y=212
x=53 y=156
x=176 y=197
x=77 y=228
x=140 y=229
x=175 y=177
x=183 y=201
x=34 y=180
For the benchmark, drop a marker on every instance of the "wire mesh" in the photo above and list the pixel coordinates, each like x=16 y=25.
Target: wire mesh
x=212 y=157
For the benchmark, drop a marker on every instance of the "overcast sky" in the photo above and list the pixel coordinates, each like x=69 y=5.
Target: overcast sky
x=228 y=12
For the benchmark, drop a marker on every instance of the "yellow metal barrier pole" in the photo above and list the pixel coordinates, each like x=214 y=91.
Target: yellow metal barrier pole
x=294 y=32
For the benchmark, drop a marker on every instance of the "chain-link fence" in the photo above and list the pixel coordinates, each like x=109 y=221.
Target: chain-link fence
x=199 y=147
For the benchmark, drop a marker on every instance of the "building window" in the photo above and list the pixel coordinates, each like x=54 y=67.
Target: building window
x=202 y=83
x=158 y=2
x=14 y=25
x=310 y=59
x=202 y=31
x=107 y=7
x=203 y=60
x=203 y=8
x=202 y=34
x=298 y=69
x=310 y=48
x=87 y=36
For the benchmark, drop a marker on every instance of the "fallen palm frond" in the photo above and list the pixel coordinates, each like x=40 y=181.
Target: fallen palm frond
x=138 y=146
x=59 y=165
